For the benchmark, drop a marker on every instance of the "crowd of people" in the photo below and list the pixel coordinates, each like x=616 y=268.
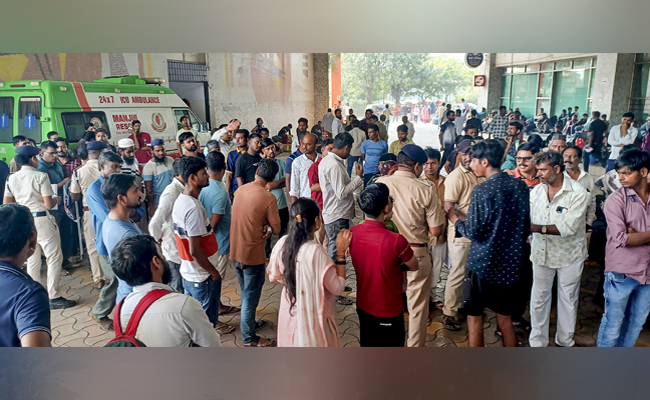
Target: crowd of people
x=505 y=213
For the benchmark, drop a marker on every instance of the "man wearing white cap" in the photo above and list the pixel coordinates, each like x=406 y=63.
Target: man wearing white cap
x=130 y=166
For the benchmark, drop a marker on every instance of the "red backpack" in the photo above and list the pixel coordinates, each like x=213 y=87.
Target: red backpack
x=127 y=338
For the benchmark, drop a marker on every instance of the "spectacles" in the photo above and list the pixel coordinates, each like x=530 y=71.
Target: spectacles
x=523 y=158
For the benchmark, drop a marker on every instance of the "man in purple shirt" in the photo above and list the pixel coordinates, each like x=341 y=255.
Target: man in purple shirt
x=627 y=270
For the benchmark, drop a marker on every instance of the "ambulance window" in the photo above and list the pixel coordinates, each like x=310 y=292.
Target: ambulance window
x=6 y=119
x=29 y=114
x=74 y=123
x=193 y=121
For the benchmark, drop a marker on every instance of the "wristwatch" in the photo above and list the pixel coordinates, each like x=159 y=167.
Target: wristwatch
x=543 y=229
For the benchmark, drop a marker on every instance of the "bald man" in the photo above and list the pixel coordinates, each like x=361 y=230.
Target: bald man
x=300 y=168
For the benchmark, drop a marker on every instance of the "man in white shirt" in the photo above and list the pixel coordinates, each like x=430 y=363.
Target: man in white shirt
x=301 y=130
x=225 y=137
x=300 y=168
x=337 y=125
x=359 y=137
x=327 y=120
x=195 y=239
x=411 y=132
x=174 y=320
x=345 y=111
x=458 y=121
x=338 y=188
x=161 y=226
x=619 y=136
x=572 y=156
x=558 y=208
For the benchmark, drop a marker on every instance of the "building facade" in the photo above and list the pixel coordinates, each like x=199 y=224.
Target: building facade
x=612 y=83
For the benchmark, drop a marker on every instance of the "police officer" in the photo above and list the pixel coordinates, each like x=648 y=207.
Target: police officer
x=417 y=213
x=31 y=188
x=82 y=177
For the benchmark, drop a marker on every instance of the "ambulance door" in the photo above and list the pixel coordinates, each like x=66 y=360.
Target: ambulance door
x=7 y=107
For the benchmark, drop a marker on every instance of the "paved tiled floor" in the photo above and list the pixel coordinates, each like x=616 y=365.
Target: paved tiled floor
x=75 y=328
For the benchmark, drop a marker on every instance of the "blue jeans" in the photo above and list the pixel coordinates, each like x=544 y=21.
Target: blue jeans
x=208 y=293
x=251 y=281
x=591 y=158
x=610 y=165
x=176 y=282
x=351 y=160
x=627 y=304
x=333 y=230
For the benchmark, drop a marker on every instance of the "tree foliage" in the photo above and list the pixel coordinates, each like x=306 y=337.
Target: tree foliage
x=374 y=77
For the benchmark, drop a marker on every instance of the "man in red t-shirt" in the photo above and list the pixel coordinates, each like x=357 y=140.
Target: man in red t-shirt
x=377 y=256
x=142 y=141
x=316 y=194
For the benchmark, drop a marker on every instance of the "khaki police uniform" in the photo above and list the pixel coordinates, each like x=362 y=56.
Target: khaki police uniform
x=28 y=187
x=82 y=177
x=437 y=245
x=458 y=189
x=415 y=209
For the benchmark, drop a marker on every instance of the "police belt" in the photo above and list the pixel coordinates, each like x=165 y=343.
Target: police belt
x=40 y=214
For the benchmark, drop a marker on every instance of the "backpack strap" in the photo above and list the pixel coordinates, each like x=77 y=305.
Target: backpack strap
x=138 y=312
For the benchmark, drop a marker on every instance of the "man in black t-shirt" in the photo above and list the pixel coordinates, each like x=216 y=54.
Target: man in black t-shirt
x=594 y=146
x=247 y=163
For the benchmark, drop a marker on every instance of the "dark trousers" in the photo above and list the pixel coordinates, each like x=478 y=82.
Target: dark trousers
x=587 y=157
x=66 y=232
x=284 y=221
x=381 y=332
x=525 y=284
x=366 y=179
x=449 y=148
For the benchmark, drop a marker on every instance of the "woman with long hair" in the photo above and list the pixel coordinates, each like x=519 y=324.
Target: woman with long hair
x=307 y=315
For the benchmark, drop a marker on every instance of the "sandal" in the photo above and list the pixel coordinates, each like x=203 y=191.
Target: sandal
x=260 y=324
x=344 y=301
x=498 y=334
x=256 y=343
x=451 y=323
x=522 y=324
x=65 y=272
x=230 y=310
x=223 y=329
x=347 y=289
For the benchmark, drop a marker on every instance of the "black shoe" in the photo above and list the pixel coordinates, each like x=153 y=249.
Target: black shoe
x=60 y=302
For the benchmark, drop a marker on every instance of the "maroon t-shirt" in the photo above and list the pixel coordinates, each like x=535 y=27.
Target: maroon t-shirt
x=377 y=254
x=312 y=174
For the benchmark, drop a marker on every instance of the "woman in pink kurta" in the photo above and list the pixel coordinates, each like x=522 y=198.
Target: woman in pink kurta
x=307 y=315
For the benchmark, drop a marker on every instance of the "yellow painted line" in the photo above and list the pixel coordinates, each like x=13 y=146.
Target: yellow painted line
x=62 y=57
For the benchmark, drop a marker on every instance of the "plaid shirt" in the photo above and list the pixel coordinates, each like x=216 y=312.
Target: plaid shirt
x=70 y=166
x=498 y=126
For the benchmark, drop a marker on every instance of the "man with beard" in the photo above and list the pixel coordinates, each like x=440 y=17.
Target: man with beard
x=458 y=193
x=396 y=146
x=54 y=170
x=157 y=174
x=241 y=139
x=122 y=195
x=126 y=149
x=176 y=320
x=142 y=141
x=109 y=163
x=301 y=130
x=246 y=165
x=190 y=146
x=572 y=156
x=365 y=123
x=67 y=160
x=186 y=128
x=337 y=124
x=79 y=184
x=196 y=241
x=130 y=167
x=558 y=249
x=225 y=137
x=447 y=136
x=101 y=136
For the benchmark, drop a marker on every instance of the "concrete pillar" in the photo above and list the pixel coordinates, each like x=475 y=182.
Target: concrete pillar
x=613 y=84
x=321 y=86
x=490 y=95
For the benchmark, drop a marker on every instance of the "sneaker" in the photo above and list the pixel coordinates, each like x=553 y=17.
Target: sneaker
x=60 y=302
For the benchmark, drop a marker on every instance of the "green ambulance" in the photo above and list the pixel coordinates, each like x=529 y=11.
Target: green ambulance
x=34 y=108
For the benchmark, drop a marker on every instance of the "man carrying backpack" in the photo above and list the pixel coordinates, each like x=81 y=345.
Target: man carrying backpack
x=154 y=315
